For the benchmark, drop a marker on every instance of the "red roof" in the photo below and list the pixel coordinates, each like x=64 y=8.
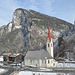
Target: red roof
x=9 y=54
x=49 y=34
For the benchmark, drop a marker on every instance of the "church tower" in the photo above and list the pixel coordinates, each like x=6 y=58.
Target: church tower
x=50 y=43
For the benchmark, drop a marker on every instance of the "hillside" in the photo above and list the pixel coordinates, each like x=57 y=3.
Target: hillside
x=28 y=31
x=66 y=46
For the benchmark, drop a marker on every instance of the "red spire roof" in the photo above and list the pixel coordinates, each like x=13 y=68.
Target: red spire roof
x=49 y=34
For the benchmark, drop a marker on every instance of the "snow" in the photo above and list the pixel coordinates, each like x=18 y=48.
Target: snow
x=45 y=69
x=16 y=54
x=56 y=33
x=70 y=37
x=37 y=19
x=69 y=65
x=36 y=73
x=2 y=71
x=42 y=73
x=25 y=73
x=25 y=12
x=18 y=27
x=10 y=25
x=31 y=65
x=1 y=58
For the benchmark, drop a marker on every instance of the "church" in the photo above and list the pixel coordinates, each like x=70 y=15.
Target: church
x=42 y=58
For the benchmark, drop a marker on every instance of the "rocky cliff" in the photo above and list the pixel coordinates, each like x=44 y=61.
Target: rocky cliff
x=28 y=31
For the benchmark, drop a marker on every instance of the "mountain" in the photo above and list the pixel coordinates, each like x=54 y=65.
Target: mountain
x=66 y=46
x=28 y=31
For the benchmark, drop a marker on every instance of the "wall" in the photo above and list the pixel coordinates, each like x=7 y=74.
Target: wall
x=42 y=62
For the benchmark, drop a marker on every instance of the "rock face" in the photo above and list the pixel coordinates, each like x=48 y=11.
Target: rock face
x=10 y=27
x=19 y=19
x=28 y=31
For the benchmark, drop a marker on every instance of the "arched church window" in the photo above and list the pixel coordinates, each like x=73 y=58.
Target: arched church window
x=48 y=61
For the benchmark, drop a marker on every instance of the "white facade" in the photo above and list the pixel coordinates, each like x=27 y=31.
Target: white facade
x=50 y=47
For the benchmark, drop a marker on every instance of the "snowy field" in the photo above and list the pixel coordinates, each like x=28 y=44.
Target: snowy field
x=42 y=73
x=69 y=65
x=34 y=73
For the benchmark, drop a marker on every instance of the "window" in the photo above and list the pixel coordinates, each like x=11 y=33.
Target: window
x=48 y=45
x=33 y=61
x=48 y=61
x=37 y=61
x=30 y=61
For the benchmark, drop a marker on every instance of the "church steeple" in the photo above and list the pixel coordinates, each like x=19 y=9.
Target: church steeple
x=49 y=34
x=49 y=43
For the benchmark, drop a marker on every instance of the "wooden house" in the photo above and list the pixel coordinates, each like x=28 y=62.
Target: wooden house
x=10 y=57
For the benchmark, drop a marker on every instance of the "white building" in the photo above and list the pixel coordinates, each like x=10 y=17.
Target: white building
x=42 y=58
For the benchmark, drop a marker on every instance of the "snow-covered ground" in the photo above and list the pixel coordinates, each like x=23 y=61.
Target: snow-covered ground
x=66 y=65
x=34 y=73
x=42 y=73
x=2 y=71
x=1 y=58
x=45 y=69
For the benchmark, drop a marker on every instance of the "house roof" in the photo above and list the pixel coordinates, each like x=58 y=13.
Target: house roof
x=38 y=54
x=11 y=54
x=6 y=53
x=14 y=55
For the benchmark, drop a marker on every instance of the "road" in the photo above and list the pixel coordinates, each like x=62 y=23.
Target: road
x=35 y=69
x=8 y=72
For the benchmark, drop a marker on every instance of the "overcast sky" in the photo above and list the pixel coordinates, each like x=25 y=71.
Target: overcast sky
x=63 y=9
